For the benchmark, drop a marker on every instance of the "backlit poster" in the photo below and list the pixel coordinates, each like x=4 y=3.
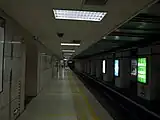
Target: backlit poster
x=104 y=66
x=134 y=67
x=142 y=64
x=116 y=68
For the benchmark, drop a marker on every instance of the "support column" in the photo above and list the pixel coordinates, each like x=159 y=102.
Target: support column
x=93 y=68
x=99 y=69
x=149 y=90
x=109 y=69
x=88 y=66
x=123 y=64
x=78 y=65
x=84 y=66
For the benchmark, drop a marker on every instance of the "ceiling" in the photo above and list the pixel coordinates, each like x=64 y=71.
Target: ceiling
x=37 y=17
x=141 y=29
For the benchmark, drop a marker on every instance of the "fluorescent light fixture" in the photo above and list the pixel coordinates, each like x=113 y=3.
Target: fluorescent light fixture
x=70 y=44
x=43 y=53
x=79 y=15
x=11 y=42
x=104 y=37
x=16 y=42
x=104 y=66
x=68 y=50
x=65 y=59
x=68 y=54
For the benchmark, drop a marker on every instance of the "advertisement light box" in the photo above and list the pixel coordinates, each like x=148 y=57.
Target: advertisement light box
x=104 y=66
x=134 y=67
x=142 y=70
x=116 y=68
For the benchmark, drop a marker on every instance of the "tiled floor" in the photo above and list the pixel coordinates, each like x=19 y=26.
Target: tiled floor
x=65 y=98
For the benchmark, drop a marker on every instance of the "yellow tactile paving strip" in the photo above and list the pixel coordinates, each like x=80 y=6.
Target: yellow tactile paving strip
x=83 y=109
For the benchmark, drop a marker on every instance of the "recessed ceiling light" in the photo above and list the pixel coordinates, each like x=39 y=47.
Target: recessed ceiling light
x=79 y=15
x=142 y=25
x=70 y=44
x=68 y=50
x=117 y=37
x=11 y=42
x=65 y=59
x=104 y=37
x=43 y=53
x=68 y=54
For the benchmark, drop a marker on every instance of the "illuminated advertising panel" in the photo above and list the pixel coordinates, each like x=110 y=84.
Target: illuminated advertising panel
x=134 y=67
x=116 y=68
x=142 y=70
x=104 y=66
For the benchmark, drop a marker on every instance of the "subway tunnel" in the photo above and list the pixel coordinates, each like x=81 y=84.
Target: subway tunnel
x=79 y=60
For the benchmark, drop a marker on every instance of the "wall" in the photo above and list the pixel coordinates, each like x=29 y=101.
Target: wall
x=39 y=69
x=21 y=69
x=45 y=70
x=12 y=97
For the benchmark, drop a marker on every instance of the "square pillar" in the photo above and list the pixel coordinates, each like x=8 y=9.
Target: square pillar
x=99 y=69
x=78 y=65
x=149 y=90
x=93 y=67
x=88 y=67
x=83 y=66
x=108 y=76
x=123 y=79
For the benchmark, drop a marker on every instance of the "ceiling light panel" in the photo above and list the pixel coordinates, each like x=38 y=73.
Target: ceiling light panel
x=68 y=50
x=67 y=54
x=70 y=44
x=79 y=15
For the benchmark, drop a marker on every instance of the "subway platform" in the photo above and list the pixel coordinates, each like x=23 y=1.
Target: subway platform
x=65 y=98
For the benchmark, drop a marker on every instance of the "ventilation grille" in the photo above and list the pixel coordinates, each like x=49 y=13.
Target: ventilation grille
x=95 y=2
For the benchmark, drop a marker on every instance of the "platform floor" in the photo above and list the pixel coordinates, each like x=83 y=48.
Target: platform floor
x=65 y=98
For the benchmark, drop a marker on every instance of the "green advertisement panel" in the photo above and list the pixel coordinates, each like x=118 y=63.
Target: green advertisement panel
x=142 y=68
